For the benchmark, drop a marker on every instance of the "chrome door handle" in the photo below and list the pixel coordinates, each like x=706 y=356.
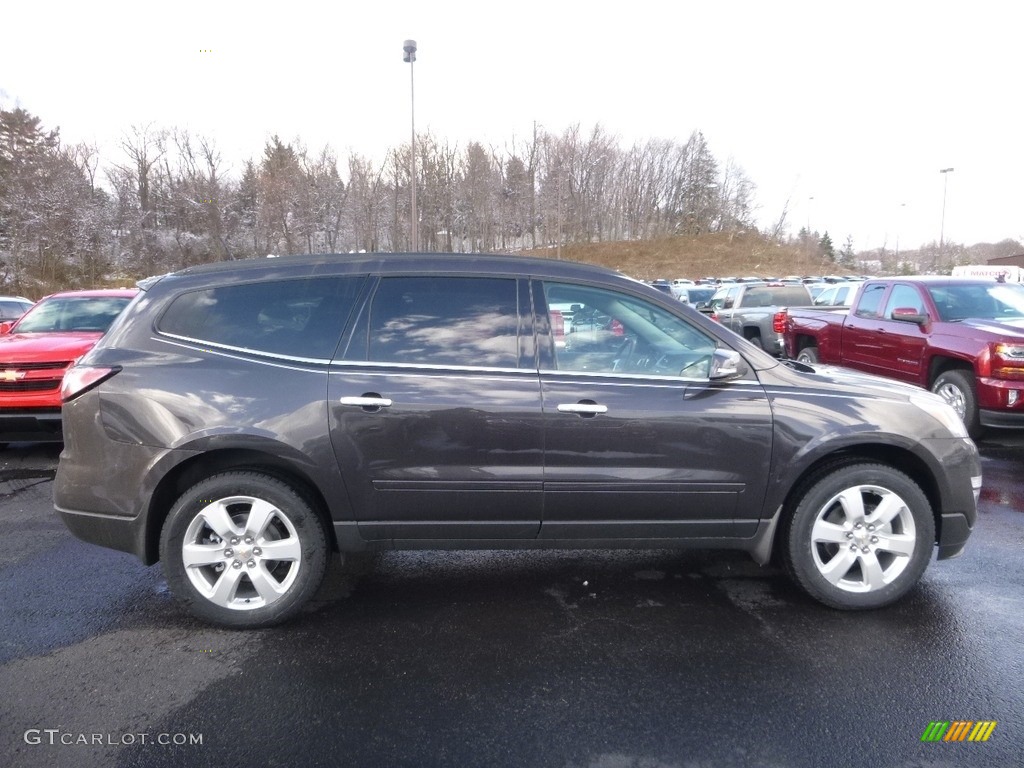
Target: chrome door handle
x=583 y=409
x=366 y=402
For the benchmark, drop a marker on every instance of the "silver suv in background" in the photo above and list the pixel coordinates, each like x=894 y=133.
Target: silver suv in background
x=241 y=421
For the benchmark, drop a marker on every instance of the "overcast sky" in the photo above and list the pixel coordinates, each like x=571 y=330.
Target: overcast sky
x=844 y=112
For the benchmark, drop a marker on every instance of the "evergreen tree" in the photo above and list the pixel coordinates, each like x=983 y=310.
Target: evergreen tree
x=827 y=249
x=847 y=257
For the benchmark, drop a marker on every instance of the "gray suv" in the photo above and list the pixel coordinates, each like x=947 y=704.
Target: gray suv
x=242 y=421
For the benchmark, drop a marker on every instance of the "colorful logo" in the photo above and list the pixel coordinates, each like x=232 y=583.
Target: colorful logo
x=958 y=730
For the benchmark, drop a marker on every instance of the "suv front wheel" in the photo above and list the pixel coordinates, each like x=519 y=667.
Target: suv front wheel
x=243 y=550
x=859 y=537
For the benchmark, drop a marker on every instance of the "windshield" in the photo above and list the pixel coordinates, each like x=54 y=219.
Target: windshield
x=997 y=301
x=72 y=313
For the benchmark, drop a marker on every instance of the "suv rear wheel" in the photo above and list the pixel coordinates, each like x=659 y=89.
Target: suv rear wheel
x=244 y=550
x=859 y=537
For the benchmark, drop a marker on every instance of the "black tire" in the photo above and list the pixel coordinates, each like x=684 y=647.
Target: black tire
x=859 y=536
x=957 y=387
x=234 y=581
x=755 y=339
x=808 y=355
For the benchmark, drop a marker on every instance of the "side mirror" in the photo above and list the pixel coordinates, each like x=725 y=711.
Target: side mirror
x=727 y=365
x=909 y=315
x=5 y=327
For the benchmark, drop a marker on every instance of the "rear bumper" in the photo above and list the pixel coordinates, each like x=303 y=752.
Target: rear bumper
x=121 y=533
x=39 y=425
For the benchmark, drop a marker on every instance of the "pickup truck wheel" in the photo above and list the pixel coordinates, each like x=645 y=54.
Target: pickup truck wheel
x=808 y=355
x=956 y=387
x=859 y=537
x=243 y=550
x=755 y=339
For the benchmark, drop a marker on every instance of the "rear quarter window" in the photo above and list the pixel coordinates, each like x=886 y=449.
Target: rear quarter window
x=292 y=318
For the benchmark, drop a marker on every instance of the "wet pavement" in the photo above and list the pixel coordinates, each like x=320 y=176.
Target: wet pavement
x=621 y=659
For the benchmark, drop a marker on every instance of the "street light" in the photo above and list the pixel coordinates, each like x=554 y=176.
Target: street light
x=409 y=46
x=945 y=181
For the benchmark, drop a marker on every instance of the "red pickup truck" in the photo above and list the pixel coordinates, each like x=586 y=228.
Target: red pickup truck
x=37 y=349
x=961 y=338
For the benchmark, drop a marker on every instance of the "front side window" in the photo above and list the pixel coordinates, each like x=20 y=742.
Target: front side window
x=904 y=297
x=461 y=321
x=611 y=332
x=292 y=318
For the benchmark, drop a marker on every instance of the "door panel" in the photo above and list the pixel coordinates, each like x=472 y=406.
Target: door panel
x=454 y=455
x=665 y=459
x=435 y=412
x=638 y=442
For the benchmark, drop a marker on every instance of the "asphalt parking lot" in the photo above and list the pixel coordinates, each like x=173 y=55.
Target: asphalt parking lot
x=606 y=659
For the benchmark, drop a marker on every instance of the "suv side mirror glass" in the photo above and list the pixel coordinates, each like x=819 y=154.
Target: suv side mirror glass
x=727 y=365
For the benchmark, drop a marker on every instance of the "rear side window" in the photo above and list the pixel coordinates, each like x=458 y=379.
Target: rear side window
x=293 y=318
x=464 y=321
x=870 y=300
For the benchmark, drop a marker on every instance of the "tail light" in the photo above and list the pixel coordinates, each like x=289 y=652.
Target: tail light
x=779 y=321
x=81 y=378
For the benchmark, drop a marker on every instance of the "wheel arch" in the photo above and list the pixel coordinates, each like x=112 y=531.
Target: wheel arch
x=204 y=465
x=939 y=364
x=897 y=458
x=804 y=340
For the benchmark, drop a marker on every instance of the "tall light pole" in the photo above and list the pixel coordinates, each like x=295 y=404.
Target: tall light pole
x=409 y=46
x=899 y=227
x=945 y=182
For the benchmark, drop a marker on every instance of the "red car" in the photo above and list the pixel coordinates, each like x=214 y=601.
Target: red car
x=38 y=348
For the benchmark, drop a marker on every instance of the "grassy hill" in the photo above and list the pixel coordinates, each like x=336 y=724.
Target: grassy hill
x=716 y=255
x=751 y=254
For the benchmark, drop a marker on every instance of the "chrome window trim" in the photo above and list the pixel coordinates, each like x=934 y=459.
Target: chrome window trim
x=653 y=378
x=429 y=367
x=210 y=346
